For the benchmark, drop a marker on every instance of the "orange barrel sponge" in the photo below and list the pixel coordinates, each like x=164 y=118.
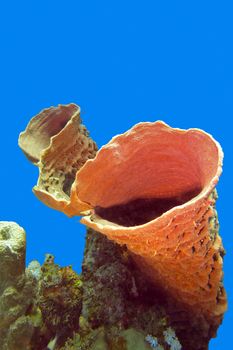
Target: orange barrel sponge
x=151 y=189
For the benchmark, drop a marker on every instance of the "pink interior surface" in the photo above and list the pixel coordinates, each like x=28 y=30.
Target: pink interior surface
x=151 y=160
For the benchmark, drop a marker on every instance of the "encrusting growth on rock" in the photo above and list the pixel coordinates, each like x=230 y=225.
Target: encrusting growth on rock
x=119 y=308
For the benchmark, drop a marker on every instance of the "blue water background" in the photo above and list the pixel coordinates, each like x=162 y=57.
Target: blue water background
x=123 y=62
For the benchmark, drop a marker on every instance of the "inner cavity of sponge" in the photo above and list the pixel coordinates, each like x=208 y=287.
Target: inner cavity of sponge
x=142 y=210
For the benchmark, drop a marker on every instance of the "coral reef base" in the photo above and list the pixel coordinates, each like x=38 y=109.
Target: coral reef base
x=110 y=306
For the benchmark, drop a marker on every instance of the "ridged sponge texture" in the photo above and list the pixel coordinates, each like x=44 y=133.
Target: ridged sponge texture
x=59 y=144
